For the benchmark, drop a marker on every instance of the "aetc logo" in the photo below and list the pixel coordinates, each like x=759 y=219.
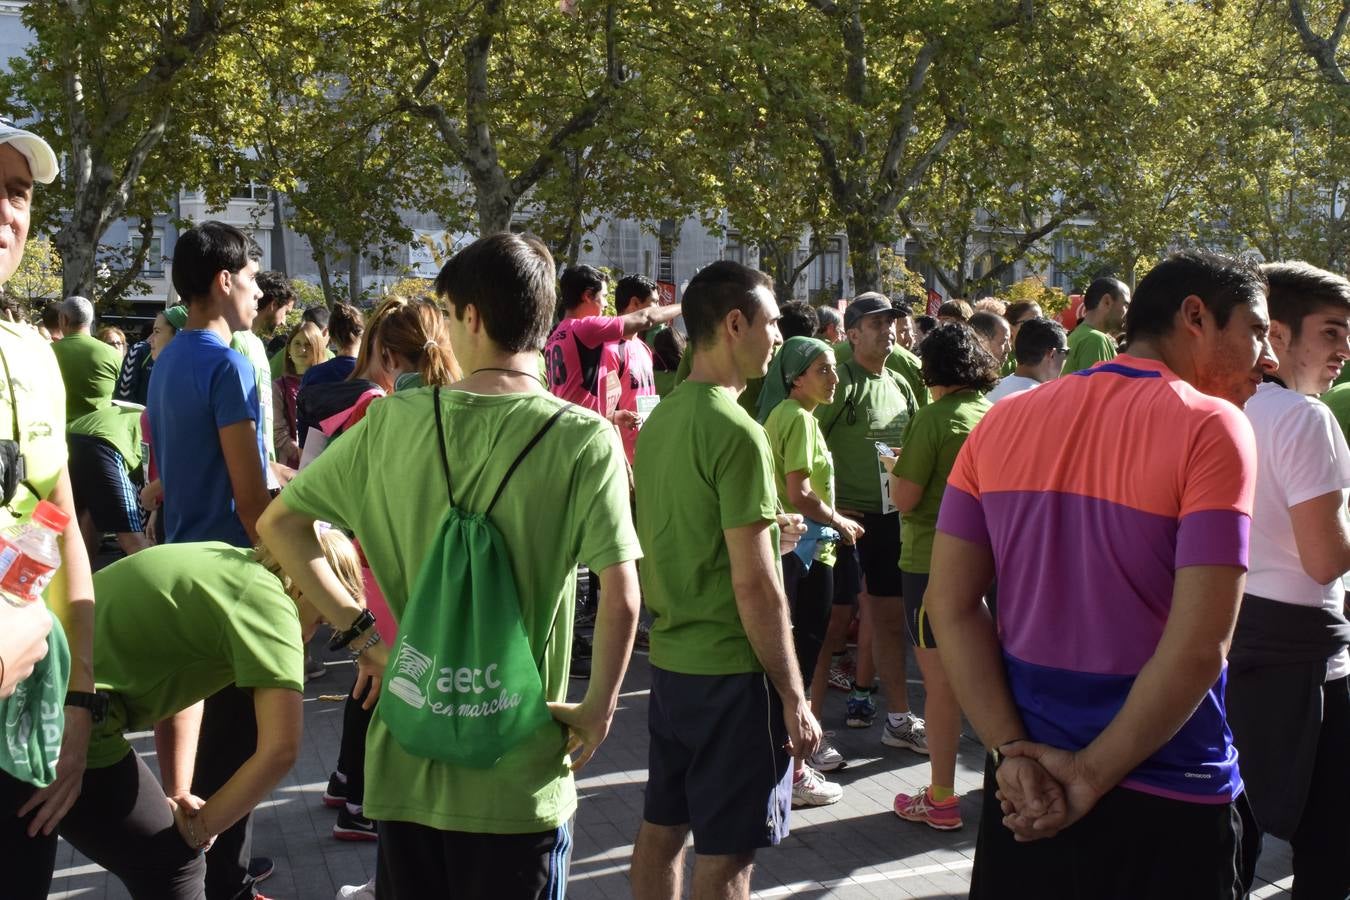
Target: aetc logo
x=458 y=691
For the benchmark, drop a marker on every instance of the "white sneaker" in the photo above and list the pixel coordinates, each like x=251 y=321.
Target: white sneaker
x=358 y=891
x=813 y=790
x=911 y=734
x=826 y=758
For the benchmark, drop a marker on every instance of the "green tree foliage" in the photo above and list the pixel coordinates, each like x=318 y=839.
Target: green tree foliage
x=37 y=280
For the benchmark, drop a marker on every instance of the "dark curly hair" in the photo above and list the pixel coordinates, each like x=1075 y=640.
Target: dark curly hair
x=954 y=357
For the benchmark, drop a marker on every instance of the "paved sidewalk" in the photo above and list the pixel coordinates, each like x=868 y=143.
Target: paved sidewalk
x=855 y=849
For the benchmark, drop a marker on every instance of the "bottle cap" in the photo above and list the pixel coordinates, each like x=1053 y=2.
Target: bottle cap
x=49 y=515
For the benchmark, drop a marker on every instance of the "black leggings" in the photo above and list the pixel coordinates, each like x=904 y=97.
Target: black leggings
x=810 y=594
x=352 y=749
x=121 y=821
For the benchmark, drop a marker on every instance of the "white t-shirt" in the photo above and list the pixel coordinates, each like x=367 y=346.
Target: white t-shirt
x=1301 y=454
x=1011 y=384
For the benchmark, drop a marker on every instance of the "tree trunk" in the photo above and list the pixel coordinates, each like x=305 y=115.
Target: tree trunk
x=278 y=235
x=79 y=267
x=495 y=204
x=864 y=256
x=325 y=279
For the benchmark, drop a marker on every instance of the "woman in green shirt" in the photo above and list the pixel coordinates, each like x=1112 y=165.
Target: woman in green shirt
x=958 y=370
x=174 y=625
x=800 y=378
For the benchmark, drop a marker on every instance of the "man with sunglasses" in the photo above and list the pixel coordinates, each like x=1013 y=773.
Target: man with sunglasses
x=39 y=778
x=1040 y=348
x=872 y=404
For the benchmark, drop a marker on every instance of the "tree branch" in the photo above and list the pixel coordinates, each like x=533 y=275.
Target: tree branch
x=132 y=273
x=1322 y=51
x=898 y=141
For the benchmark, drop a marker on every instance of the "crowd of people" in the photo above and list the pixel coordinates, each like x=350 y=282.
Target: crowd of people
x=1117 y=551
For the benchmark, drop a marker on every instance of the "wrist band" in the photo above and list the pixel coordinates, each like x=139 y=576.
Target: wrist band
x=363 y=623
x=370 y=642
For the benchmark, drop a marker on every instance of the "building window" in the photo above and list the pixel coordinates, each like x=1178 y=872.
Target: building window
x=734 y=250
x=251 y=190
x=154 y=255
x=829 y=267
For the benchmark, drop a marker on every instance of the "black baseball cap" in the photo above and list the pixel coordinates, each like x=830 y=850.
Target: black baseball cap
x=869 y=304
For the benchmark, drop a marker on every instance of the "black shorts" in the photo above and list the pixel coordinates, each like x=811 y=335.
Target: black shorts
x=879 y=554
x=1130 y=845
x=920 y=629
x=420 y=861
x=98 y=477
x=717 y=761
x=847 y=576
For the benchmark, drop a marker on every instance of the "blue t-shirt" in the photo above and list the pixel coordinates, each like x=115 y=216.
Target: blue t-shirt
x=198 y=386
x=335 y=369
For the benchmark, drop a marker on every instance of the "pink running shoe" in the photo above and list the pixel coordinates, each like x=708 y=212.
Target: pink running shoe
x=921 y=807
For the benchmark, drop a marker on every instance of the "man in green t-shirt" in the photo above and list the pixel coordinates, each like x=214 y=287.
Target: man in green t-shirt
x=901 y=359
x=872 y=404
x=1104 y=307
x=89 y=367
x=726 y=693
x=448 y=830
x=47 y=648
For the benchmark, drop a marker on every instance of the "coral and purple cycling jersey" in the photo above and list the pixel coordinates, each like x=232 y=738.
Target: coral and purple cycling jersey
x=582 y=360
x=1122 y=474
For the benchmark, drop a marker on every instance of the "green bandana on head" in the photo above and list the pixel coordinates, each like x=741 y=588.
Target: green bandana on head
x=791 y=360
x=176 y=316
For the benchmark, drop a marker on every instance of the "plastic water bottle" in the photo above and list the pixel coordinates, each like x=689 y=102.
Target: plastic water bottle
x=30 y=555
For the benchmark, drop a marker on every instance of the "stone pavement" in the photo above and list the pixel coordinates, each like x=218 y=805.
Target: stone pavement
x=855 y=849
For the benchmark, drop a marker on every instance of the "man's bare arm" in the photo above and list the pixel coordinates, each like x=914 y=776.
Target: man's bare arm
x=638 y=322
x=239 y=445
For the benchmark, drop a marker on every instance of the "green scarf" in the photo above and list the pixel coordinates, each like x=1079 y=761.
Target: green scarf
x=791 y=360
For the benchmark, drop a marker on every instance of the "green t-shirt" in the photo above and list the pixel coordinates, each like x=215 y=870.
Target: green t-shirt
x=900 y=361
x=119 y=426
x=31 y=719
x=703 y=465
x=1338 y=399
x=178 y=622
x=566 y=503
x=934 y=437
x=1087 y=347
x=798 y=446
x=867 y=408
x=251 y=347
x=89 y=370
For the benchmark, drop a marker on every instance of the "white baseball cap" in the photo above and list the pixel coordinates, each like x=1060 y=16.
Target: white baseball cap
x=41 y=159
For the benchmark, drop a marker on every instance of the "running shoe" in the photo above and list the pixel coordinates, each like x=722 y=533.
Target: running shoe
x=260 y=868
x=353 y=826
x=911 y=734
x=335 y=795
x=314 y=668
x=357 y=891
x=861 y=712
x=813 y=790
x=827 y=758
x=921 y=807
x=840 y=680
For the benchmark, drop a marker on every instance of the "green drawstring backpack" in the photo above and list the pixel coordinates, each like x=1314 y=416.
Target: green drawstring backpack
x=463 y=686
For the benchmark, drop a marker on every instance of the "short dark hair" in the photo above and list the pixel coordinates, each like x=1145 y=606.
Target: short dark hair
x=1102 y=287
x=986 y=324
x=925 y=324
x=509 y=279
x=667 y=348
x=1036 y=338
x=953 y=356
x=1221 y=281
x=203 y=252
x=714 y=292
x=827 y=316
x=276 y=289
x=956 y=309
x=51 y=316
x=631 y=287
x=1021 y=308
x=316 y=315
x=577 y=280
x=1297 y=290
x=797 y=319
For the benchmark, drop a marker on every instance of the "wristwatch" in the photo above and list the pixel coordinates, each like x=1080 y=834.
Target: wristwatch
x=996 y=754
x=362 y=624
x=97 y=704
